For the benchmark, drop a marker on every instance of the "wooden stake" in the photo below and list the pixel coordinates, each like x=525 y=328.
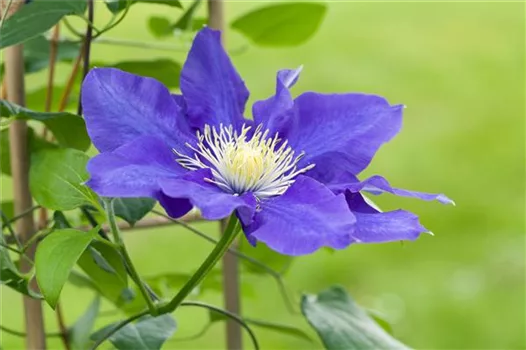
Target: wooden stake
x=231 y=285
x=18 y=148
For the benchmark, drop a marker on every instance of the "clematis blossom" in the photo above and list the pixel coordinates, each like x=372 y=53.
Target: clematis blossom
x=289 y=174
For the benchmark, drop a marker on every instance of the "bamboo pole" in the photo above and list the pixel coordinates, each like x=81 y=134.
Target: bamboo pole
x=18 y=148
x=231 y=285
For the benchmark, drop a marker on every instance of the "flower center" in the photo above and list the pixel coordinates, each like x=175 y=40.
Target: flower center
x=240 y=164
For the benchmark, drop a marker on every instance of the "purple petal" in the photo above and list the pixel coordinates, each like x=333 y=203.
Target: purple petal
x=377 y=185
x=276 y=113
x=133 y=170
x=174 y=207
x=213 y=203
x=213 y=91
x=119 y=107
x=358 y=204
x=352 y=126
x=332 y=169
x=180 y=102
x=305 y=218
x=398 y=225
x=375 y=227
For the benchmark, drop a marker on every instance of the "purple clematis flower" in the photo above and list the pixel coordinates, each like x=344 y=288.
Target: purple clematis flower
x=289 y=174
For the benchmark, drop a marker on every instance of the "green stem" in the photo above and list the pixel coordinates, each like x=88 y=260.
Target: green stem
x=14 y=250
x=21 y=215
x=222 y=246
x=131 y=268
x=38 y=235
x=129 y=320
x=89 y=23
x=228 y=314
x=70 y=27
x=12 y=232
x=112 y=24
x=278 y=277
x=24 y=334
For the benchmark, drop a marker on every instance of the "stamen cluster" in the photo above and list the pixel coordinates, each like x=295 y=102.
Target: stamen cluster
x=241 y=163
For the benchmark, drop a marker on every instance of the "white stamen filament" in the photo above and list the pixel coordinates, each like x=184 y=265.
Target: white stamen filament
x=241 y=165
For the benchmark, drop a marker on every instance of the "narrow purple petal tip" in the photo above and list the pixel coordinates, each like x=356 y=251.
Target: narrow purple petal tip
x=377 y=184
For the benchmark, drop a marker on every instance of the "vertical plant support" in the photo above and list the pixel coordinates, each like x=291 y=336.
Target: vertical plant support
x=216 y=15
x=231 y=288
x=232 y=297
x=25 y=227
x=86 y=48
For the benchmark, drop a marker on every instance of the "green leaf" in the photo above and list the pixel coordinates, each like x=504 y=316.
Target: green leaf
x=380 y=319
x=278 y=327
x=37 y=51
x=35 y=144
x=261 y=252
x=132 y=209
x=60 y=221
x=11 y=277
x=8 y=207
x=160 y=26
x=173 y=3
x=281 y=24
x=185 y=21
x=69 y=129
x=55 y=257
x=6 y=264
x=79 y=334
x=101 y=261
x=341 y=324
x=36 y=18
x=115 y=6
x=5 y=156
x=199 y=23
x=35 y=99
x=149 y=333
x=56 y=179
x=112 y=285
x=164 y=70
x=81 y=281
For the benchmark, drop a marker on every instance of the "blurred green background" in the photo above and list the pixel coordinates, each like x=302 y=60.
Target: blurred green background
x=460 y=69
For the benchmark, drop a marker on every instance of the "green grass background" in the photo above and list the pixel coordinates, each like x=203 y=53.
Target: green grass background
x=459 y=68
